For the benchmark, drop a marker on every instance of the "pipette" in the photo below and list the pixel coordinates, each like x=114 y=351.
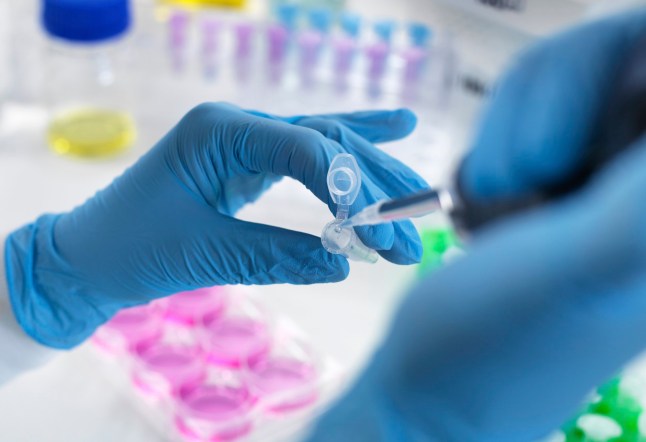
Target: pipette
x=413 y=206
x=621 y=123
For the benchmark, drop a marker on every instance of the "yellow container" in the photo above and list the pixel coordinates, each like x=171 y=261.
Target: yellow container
x=238 y=4
x=88 y=90
x=91 y=133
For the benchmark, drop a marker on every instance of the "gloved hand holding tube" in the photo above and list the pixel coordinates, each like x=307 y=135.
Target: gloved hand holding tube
x=167 y=224
x=504 y=344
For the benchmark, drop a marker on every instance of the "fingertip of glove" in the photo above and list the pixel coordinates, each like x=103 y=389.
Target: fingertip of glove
x=341 y=266
x=402 y=258
x=416 y=252
x=397 y=124
x=325 y=267
x=379 y=237
x=408 y=248
x=406 y=118
x=414 y=246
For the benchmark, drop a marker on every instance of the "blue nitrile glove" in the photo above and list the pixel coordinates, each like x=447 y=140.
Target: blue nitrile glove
x=503 y=344
x=544 y=110
x=166 y=225
x=356 y=132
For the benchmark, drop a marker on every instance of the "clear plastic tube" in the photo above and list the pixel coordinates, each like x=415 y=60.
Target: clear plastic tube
x=344 y=241
x=344 y=183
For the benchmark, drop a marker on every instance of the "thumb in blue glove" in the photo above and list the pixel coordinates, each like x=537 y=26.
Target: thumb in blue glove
x=166 y=225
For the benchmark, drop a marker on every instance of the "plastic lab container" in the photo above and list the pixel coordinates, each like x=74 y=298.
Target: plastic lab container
x=242 y=333
x=131 y=327
x=165 y=365
x=87 y=89
x=220 y=409
x=234 y=373
x=286 y=378
x=189 y=308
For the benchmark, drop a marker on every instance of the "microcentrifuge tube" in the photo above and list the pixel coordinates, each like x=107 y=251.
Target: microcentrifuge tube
x=211 y=28
x=344 y=183
x=177 y=38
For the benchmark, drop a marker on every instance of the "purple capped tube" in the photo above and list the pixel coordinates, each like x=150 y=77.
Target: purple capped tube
x=377 y=55
x=309 y=44
x=244 y=33
x=244 y=39
x=210 y=28
x=345 y=50
x=277 y=39
x=415 y=59
x=177 y=38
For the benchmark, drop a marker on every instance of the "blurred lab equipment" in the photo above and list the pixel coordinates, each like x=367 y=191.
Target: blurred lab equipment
x=547 y=307
x=618 y=125
x=621 y=123
x=87 y=90
x=539 y=17
x=178 y=23
x=441 y=244
x=344 y=184
x=129 y=328
x=331 y=5
x=487 y=35
x=381 y=64
x=211 y=44
x=165 y=365
x=241 y=333
x=230 y=373
x=579 y=320
x=614 y=413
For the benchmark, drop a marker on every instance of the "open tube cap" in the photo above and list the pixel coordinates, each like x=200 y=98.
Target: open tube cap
x=344 y=179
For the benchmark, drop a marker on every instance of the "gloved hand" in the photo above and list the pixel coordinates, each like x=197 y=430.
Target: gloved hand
x=504 y=344
x=166 y=225
x=545 y=108
x=356 y=132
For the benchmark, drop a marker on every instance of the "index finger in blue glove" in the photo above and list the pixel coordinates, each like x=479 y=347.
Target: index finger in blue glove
x=378 y=126
x=251 y=145
x=540 y=119
x=375 y=125
x=273 y=146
